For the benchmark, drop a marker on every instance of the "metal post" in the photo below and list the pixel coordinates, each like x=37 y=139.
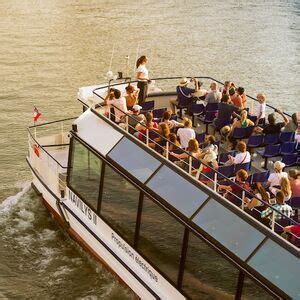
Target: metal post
x=127 y=125
x=167 y=150
x=147 y=136
x=62 y=131
x=109 y=113
x=215 y=181
x=190 y=164
x=251 y=108
x=273 y=221
x=243 y=197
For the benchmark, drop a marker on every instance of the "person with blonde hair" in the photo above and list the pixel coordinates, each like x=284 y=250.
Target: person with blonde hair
x=261 y=109
x=285 y=187
x=186 y=133
x=274 y=178
x=131 y=97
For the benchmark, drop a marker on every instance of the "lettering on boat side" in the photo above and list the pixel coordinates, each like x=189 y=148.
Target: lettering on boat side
x=83 y=207
x=135 y=257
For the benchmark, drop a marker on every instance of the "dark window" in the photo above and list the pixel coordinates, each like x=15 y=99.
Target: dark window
x=161 y=239
x=207 y=274
x=85 y=174
x=279 y=266
x=230 y=230
x=134 y=159
x=176 y=190
x=119 y=203
x=251 y=290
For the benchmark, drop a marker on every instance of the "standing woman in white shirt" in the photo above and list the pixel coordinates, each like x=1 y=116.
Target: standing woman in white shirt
x=143 y=78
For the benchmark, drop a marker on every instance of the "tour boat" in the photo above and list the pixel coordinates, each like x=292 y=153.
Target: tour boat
x=161 y=231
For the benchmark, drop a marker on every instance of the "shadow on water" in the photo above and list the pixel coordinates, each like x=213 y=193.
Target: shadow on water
x=39 y=260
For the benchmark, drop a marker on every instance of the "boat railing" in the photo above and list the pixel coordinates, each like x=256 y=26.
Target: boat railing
x=50 y=128
x=213 y=181
x=172 y=86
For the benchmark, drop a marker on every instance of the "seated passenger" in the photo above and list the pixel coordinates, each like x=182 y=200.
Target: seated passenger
x=114 y=98
x=135 y=118
x=285 y=187
x=285 y=209
x=224 y=113
x=209 y=145
x=213 y=96
x=235 y=98
x=172 y=124
x=273 y=127
x=149 y=124
x=261 y=108
x=227 y=85
x=292 y=124
x=294 y=230
x=242 y=157
x=235 y=191
x=242 y=121
x=294 y=177
x=193 y=149
x=183 y=93
x=274 y=178
x=131 y=97
x=260 y=194
x=161 y=141
x=209 y=162
x=241 y=92
x=200 y=93
x=186 y=133
x=175 y=145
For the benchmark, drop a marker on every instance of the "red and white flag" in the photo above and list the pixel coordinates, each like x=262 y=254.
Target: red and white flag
x=36 y=114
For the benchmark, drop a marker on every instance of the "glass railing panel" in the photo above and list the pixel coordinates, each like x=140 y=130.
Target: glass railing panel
x=253 y=291
x=119 y=204
x=134 y=159
x=229 y=229
x=160 y=239
x=177 y=191
x=207 y=275
x=279 y=266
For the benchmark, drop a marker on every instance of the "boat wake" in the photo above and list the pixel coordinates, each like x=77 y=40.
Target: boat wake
x=32 y=246
x=11 y=201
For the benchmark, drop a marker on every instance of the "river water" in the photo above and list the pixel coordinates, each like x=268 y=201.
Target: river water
x=49 y=48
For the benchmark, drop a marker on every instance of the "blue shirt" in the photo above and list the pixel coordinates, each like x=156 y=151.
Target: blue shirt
x=184 y=93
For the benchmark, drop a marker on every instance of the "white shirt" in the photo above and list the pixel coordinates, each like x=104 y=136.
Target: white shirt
x=275 y=178
x=242 y=158
x=120 y=105
x=185 y=134
x=261 y=110
x=143 y=69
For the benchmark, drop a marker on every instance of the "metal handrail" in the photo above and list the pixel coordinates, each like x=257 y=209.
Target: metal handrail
x=52 y=122
x=215 y=171
x=42 y=146
x=178 y=77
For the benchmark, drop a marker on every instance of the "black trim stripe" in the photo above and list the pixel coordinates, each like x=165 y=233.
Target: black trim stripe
x=94 y=235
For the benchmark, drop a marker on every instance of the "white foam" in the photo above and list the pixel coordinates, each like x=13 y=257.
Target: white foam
x=11 y=201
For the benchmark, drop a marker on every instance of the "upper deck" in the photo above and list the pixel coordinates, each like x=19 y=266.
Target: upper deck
x=249 y=245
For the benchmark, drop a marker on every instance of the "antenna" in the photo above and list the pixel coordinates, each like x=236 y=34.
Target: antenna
x=136 y=58
x=109 y=73
x=127 y=65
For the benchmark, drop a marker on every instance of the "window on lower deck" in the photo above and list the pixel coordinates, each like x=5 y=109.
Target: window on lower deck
x=85 y=173
x=207 y=275
x=119 y=203
x=160 y=239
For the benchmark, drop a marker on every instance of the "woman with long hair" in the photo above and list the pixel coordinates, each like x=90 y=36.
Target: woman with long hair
x=131 y=96
x=142 y=76
x=285 y=187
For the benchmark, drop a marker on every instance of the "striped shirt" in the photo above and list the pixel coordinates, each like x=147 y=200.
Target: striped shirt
x=284 y=209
